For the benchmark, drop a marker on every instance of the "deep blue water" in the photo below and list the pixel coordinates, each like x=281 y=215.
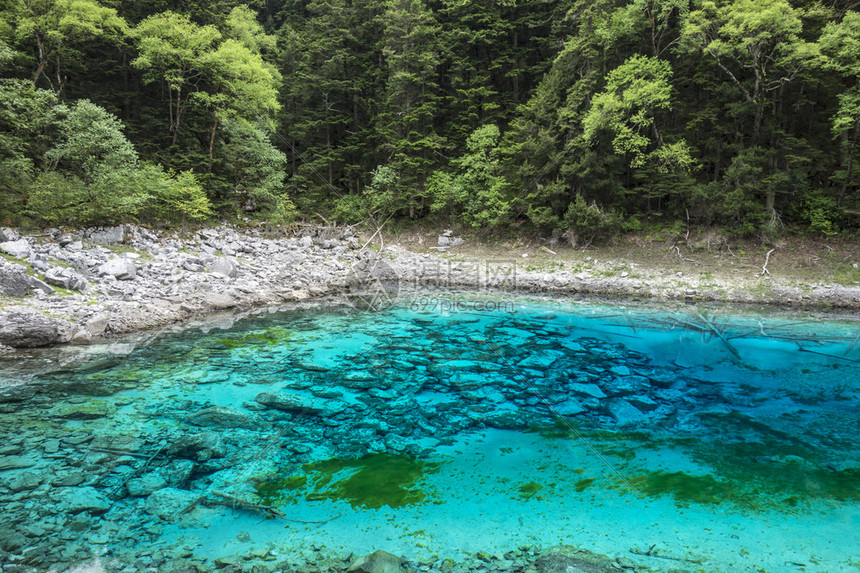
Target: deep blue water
x=704 y=438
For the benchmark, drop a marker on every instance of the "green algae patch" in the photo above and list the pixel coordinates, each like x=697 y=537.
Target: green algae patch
x=683 y=487
x=370 y=482
x=582 y=484
x=529 y=490
x=270 y=336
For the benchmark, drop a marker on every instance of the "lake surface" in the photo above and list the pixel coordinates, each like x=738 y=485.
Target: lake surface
x=684 y=438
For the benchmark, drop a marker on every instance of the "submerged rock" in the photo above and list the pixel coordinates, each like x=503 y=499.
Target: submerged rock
x=169 y=502
x=377 y=562
x=77 y=499
x=201 y=447
x=15 y=462
x=223 y=417
x=287 y=402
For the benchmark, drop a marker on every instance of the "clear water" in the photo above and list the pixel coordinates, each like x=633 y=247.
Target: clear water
x=681 y=439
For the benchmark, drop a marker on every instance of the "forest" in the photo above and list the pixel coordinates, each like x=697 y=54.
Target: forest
x=581 y=118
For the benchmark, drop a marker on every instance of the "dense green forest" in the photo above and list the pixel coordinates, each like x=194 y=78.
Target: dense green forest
x=584 y=117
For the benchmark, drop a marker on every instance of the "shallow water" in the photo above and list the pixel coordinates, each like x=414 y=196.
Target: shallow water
x=685 y=438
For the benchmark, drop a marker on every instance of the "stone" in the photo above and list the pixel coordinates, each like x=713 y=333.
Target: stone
x=19 y=248
x=28 y=330
x=287 y=402
x=89 y=410
x=201 y=447
x=14 y=281
x=570 y=407
x=223 y=417
x=96 y=325
x=15 y=462
x=65 y=278
x=120 y=268
x=222 y=266
x=376 y=562
x=78 y=499
x=108 y=235
x=643 y=403
x=592 y=390
x=447 y=241
x=24 y=482
x=7 y=234
x=11 y=540
x=168 y=502
x=306 y=242
x=146 y=484
x=625 y=413
x=16 y=394
x=541 y=360
x=219 y=301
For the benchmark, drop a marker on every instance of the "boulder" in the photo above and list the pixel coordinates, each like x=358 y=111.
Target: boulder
x=592 y=390
x=306 y=242
x=200 y=447
x=377 y=562
x=79 y=499
x=97 y=324
x=19 y=248
x=28 y=330
x=222 y=266
x=65 y=278
x=625 y=413
x=7 y=234
x=14 y=281
x=219 y=301
x=15 y=463
x=223 y=417
x=169 y=502
x=570 y=407
x=108 y=235
x=287 y=402
x=146 y=484
x=119 y=268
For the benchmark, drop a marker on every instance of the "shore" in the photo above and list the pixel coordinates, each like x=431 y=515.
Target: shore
x=86 y=286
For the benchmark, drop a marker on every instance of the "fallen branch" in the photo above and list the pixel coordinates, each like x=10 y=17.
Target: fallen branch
x=118 y=452
x=234 y=502
x=541 y=247
x=652 y=553
x=682 y=258
x=764 y=270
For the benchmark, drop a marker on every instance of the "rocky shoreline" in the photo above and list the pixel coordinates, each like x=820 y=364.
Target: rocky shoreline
x=78 y=287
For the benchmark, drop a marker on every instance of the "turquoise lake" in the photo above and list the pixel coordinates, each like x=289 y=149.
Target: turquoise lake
x=683 y=438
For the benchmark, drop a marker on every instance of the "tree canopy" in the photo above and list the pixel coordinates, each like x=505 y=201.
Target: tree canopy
x=565 y=115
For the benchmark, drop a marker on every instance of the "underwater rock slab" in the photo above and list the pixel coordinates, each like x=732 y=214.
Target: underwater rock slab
x=168 y=502
x=78 y=499
x=625 y=413
x=288 y=402
x=15 y=462
x=377 y=562
x=223 y=417
x=570 y=407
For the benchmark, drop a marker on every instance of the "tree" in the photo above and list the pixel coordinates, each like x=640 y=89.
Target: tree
x=90 y=172
x=762 y=36
x=634 y=92
x=54 y=26
x=840 y=46
x=174 y=50
x=405 y=124
x=477 y=192
x=241 y=85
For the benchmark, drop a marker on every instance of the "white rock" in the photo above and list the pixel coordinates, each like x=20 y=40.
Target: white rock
x=119 y=268
x=19 y=248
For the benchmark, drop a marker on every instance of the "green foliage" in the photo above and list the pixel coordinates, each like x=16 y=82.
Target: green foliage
x=586 y=223
x=478 y=192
